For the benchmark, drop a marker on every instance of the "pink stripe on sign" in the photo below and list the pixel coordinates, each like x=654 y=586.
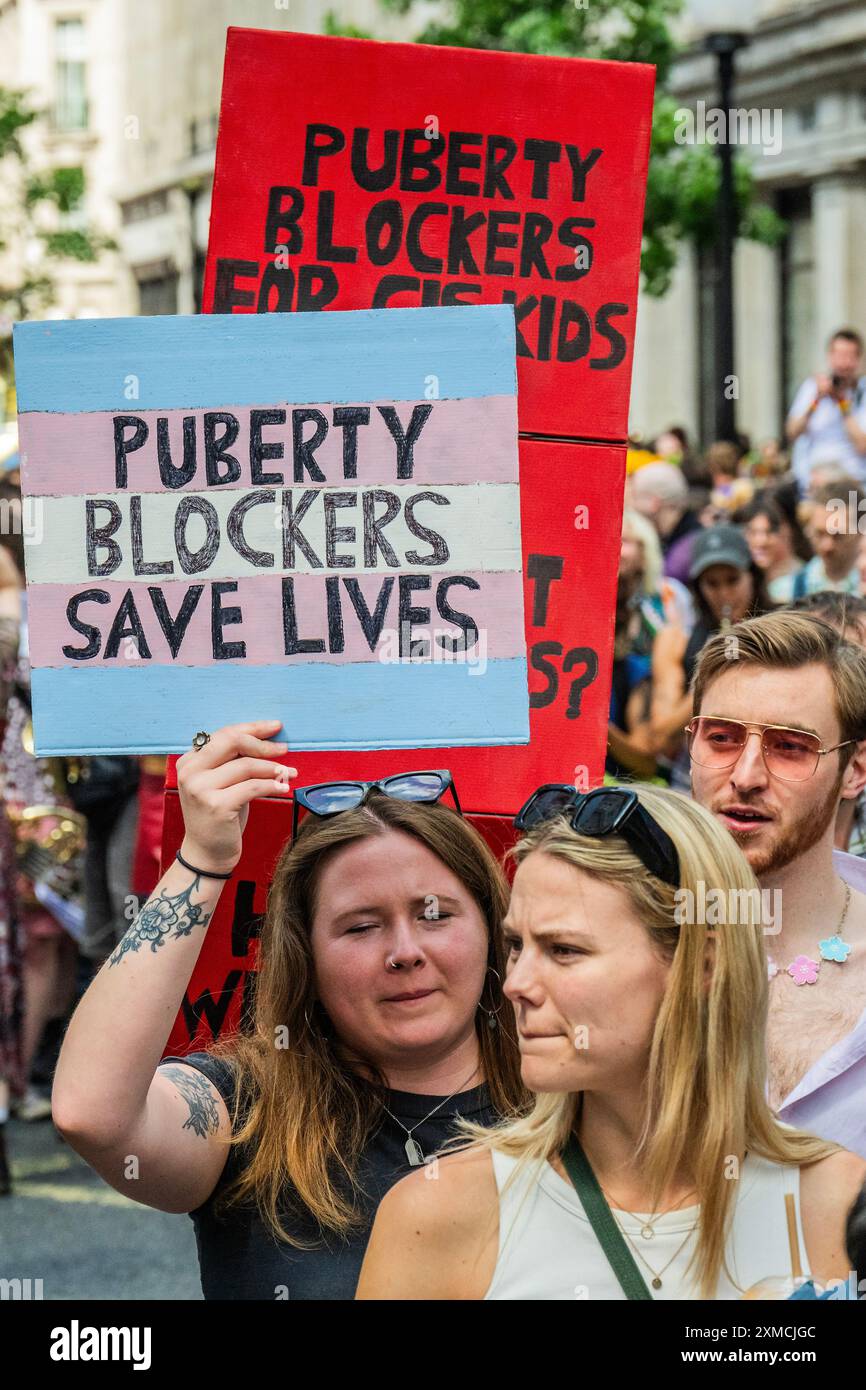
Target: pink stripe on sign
x=469 y=440
x=496 y=607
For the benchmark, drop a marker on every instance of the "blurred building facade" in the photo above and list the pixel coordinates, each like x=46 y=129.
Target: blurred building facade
x=130 y=91
x=174 y=66
x=807 y=61
x=66 y=54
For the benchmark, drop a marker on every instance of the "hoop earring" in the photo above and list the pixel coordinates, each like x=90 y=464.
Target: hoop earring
x=491 y=1013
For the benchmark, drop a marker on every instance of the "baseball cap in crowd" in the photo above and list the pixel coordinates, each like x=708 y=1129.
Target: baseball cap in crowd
x=720 y=545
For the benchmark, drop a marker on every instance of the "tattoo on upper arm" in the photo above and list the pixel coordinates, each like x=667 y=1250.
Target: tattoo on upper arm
x=196 y=1090
x=161 y=919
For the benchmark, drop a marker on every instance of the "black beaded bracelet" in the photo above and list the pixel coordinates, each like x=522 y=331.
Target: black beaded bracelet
x=203 y=873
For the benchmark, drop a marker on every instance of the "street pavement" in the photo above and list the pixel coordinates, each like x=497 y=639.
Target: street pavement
x=64 y=1225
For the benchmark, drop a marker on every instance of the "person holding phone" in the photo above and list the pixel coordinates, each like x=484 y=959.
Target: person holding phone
x=828 y=413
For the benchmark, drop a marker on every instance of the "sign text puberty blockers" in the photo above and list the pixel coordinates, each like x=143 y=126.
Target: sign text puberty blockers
x=315 y=515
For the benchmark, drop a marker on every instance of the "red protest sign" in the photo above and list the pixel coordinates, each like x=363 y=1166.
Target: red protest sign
x=352 y=174
x=326 y=143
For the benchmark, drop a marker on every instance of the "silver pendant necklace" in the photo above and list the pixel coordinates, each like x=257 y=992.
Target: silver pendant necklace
x=414 y=1153
x=657 y=1273
x=648 y=1233
x=647 y=1228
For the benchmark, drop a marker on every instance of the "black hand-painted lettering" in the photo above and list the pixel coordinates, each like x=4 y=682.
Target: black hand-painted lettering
x=543 y=570
x=99 y=537
x=127 y=623
x=224 y=617
x=440 y=552
x=538 y=654
x=93 y=635
x=123 y=446
x=193 y=562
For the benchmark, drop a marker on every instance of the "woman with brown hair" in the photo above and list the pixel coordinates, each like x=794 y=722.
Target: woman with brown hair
x=377 y=1023
x=651 y=1165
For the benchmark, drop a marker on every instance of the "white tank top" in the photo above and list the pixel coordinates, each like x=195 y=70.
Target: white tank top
x=548 y=1249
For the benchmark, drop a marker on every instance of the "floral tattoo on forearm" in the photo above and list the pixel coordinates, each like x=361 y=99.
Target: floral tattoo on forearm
x=162 y=919
x=196 y=1090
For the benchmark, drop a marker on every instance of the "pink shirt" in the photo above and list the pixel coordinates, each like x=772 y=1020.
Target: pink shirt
x=830 y=1101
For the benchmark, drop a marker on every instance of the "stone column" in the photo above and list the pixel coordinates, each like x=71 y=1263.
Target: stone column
x=182 y=207
x=758 y=347
x=839 y=217
x=664 y=388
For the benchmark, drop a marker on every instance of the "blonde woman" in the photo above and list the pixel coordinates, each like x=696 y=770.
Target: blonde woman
x=663 y=600
x=642 y=1036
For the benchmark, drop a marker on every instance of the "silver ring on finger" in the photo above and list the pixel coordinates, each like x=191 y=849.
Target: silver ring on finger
x=200 y=739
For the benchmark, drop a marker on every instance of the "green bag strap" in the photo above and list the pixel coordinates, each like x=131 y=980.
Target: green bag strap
x=599 y=1215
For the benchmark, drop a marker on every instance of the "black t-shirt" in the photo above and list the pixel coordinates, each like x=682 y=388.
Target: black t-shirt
x=240 y=1258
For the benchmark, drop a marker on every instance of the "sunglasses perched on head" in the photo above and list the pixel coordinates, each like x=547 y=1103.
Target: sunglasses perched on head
x=330 y=798
x=602 y=812
x=790 y=754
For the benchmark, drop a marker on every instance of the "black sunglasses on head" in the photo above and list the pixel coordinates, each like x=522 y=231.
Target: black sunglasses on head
x=330 y=798
x=606 y=811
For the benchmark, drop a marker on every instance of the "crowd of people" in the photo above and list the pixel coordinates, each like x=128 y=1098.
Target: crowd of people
x=637 y=1071
x=732 y=533
x=79 y=854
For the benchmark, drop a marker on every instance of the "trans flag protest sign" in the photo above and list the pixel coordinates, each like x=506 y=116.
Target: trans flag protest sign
x=315 y=516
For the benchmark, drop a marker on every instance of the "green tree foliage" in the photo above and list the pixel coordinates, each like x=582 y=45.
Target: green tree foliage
x=682 y=184
x=34 y=229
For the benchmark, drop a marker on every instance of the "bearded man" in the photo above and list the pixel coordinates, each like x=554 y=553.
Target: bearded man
x=777 y=741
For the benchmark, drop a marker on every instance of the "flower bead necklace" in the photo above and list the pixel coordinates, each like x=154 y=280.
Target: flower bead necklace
x=802 y=969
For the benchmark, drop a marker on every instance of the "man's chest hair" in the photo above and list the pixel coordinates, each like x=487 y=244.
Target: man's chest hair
x=805 y=1021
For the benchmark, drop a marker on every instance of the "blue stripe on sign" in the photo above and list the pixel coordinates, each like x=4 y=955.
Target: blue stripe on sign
x=370 y=705
x=191 y=362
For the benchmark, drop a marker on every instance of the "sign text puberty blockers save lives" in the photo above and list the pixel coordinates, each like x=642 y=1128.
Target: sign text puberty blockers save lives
x=313 y=515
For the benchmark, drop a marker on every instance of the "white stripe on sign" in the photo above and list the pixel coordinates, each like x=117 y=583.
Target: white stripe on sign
x=227 y=535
